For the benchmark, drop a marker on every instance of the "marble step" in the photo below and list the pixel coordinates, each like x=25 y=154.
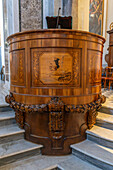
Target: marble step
x=14 y=150
x=94 y=153
x=105 y=120
x=10 y=133
x=76 y=163
x=100 y=135
x=105 y=117
x=107 y=109
x=41 y=162
x=5 y=108
x=107 y=93
x=7 y=118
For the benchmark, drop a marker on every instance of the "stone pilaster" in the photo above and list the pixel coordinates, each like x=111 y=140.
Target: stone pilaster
x=75 y=14
x=83 y=15
x=80 y=14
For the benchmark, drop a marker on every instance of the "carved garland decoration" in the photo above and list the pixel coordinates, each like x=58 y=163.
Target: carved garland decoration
x=56 y=109
x=55 y=104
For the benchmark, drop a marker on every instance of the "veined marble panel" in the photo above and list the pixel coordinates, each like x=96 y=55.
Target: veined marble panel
x=31 y=14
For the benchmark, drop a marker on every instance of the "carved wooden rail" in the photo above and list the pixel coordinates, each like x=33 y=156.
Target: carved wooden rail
x=55 y=85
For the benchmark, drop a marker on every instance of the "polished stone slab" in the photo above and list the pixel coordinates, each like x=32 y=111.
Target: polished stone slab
x=14 y=150
x=94 y=153
x=9 y=130
x=109 y=99
x=108 y=118
x=41 y=162
x=101 y=132
x=7 y=115
x=7 y=118
x=76 y=164
x=36 y=163
x=101 y=135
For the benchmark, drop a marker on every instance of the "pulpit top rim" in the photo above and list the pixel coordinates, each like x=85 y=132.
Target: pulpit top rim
x=66 y=31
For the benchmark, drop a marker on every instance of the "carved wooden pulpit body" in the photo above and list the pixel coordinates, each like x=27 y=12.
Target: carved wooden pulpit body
x=55 y=85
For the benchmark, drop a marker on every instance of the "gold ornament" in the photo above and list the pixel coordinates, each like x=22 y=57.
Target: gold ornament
x=111 y=26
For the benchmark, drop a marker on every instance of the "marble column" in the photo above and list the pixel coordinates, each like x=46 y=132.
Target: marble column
x=67 y=7
x=31 y=14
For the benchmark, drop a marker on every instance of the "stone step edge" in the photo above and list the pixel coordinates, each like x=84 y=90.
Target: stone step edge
x=6 y=118
x=4 y=105
x=90 y=155
x=53 y=167
x=22 y=151
x=4 y=108
x=106 y=107
x=12 y=133
x=104 y=120
x=100 y=137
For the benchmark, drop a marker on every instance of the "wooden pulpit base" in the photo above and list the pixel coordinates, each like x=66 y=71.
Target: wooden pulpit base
x=55 y=125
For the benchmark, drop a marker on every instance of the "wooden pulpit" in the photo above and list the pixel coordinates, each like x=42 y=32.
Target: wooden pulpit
x=55 y=87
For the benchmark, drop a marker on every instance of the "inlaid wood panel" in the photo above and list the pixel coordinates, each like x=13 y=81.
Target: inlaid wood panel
x=17 y=59
x=94 y=67
x=58 y=68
